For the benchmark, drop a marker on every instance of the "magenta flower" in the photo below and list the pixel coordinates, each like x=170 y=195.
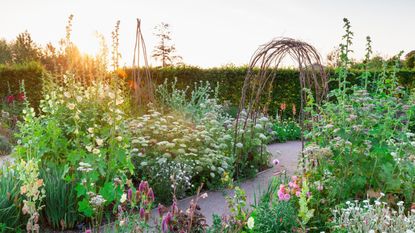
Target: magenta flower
x=129 y=194
x=160 y=210
x=142 y=213
x=88 y=231
x=275 y=162
x=165 y=223
x=150 y=194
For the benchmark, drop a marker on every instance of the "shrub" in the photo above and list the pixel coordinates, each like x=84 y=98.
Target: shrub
x=31 y=74
x=287 y=130
x=83 y=128
x=168 y=145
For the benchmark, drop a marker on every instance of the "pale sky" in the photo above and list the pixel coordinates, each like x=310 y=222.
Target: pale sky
x=216 y=32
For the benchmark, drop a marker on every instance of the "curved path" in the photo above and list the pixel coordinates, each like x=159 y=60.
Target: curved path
x=287 y=153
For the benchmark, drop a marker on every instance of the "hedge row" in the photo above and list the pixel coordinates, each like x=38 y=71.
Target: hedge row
x=286 y=87
x=31 y=74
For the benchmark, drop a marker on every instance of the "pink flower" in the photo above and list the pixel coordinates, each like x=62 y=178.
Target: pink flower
x=10 y=99
x=280 y=195
x=287 y=197
x=294 y=178
x=150 y=194
x=320 y=187
x=21 y=96
x=297 y=193
x=275 y=162
x=88 y=231
x=160 y=210
x=165 y=223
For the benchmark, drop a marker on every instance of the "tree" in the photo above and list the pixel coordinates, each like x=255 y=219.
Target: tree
x=410 y=60
x=5 y=52
x=165 y=51
x=24 y=49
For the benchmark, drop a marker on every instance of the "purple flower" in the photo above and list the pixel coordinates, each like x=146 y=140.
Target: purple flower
x=160 y=210
x=142 y=213
x=150 y=194
x=275 y=162
x=165 y=223
x=129 y=194
x=143 y=186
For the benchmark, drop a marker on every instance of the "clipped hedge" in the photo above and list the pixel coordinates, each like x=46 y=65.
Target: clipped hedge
x=286 y=87
x=11 y=76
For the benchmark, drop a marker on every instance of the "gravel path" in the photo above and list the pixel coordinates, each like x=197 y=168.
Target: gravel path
x=287 y=153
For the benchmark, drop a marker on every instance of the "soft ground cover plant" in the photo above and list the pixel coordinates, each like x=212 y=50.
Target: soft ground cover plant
x=361 y=143
x=369 y=216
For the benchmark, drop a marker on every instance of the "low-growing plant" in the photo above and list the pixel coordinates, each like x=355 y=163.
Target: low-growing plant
x=368 y=216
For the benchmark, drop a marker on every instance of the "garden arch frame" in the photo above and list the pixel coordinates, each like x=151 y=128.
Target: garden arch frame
x=268 y=58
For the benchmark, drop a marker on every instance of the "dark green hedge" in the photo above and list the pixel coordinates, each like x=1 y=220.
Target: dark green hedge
x=230 y=81
x=12 y=76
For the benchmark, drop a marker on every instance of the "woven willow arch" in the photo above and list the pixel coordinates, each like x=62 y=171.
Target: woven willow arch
x=256 y=92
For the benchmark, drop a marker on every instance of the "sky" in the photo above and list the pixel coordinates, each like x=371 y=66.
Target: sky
x=209 y=33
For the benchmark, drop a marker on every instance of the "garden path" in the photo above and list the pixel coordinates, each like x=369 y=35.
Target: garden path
x=287 y=153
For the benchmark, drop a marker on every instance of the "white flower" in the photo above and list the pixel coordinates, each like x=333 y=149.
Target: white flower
x=99 y=141
x=371 y=231
x=91 y=130
x=123 y=198
x=239 y=145
x=119 y=138
x=71 y=106
x=79 y=99
x=251 y=222
x=95 y=151
x=205 y=195
x=88 y=148
x=67 y=94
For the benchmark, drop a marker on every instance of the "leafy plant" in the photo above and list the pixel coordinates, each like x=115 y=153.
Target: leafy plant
x=287 y=130
x=60 y=199
x=361 y=142
x=11 y=217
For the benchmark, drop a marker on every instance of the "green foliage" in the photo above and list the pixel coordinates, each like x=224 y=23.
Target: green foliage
x=275 y=216
x=31 y=74
x=361 y=143
x=83 y=128
x=10 y=201
x=287 y=130
x=60 y=200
